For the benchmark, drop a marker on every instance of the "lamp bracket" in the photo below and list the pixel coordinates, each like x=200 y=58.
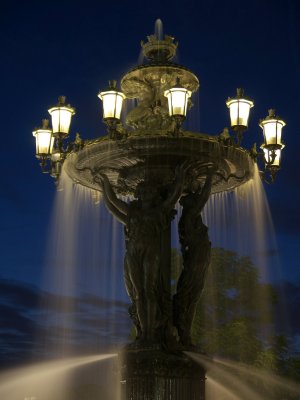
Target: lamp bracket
x=269 y=175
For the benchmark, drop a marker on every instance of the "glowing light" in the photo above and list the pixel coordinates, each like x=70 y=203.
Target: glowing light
x=112 y=101
x=177 y=99
x=272 y=129
x=239 y=108
x=44 y=140
x=61 y=117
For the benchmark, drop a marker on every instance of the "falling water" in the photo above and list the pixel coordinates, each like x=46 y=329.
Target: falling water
x=55 y=379
x=158 y=29
x=84 y=270
x=234 y=387
x=86 y=256
x=215 y=390
x=236 y=381
x=241 y=221
x=141 y=57
x=193 y=122
x=158 y=33
x=129 y=104
x=271 y=381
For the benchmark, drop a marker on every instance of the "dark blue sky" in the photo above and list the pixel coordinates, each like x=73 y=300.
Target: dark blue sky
x=74 y=48
x=64 y=47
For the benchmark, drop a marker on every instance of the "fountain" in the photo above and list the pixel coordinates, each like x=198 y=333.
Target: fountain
x=141 y=171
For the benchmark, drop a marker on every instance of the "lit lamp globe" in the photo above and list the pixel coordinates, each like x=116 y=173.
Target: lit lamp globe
x=61 y=116
x=44 y=140
x=178 y=97
x=239 y=108
x=272 y=129
x=112 y=101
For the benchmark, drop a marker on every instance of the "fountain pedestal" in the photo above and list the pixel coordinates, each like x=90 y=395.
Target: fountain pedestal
x=157 y=375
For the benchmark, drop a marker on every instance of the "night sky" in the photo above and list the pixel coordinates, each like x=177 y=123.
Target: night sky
x=74 y=48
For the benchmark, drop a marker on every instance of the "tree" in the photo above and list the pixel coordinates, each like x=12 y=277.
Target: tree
x=234 y=311
x=234 y=320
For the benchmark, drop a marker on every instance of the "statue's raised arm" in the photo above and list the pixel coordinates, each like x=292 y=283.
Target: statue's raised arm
x=206 y=189
x=177 y=187
x=196 y=197
x=114 y=205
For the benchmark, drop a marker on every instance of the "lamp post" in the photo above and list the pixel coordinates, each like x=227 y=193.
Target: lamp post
x=49 y=142
x=272 y=127
x=154 y=162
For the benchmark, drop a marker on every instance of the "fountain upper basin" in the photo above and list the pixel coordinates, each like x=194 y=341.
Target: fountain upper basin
x=129 y=161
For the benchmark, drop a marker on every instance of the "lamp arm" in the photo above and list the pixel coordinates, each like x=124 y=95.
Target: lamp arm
x=268 y=179
x=43 y=164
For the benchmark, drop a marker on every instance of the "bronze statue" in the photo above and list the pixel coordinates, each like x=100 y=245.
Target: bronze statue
x=147 y=221
x=195 y=248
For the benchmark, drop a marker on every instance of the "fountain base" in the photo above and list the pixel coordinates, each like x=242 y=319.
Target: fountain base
x=157 y=375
